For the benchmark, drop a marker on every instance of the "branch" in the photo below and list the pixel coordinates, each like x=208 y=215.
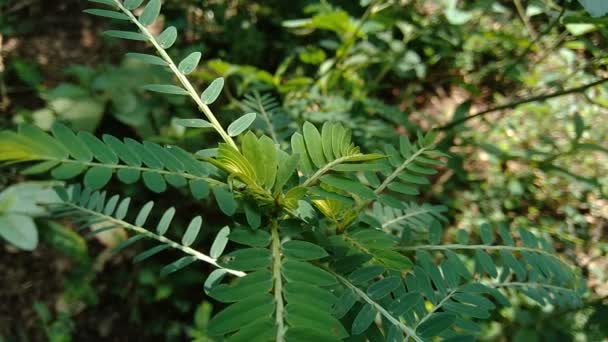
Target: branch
x=278 y=282
x=143 y=231
x=409 y=332
x=523 y=101
x=182 y=79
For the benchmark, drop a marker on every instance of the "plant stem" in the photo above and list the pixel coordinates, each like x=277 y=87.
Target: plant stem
x=138 y=168
x=409 y=332
x=524 y=101
x=181 y=77
x=278 y=281
x=140 y=230
x=476 y=247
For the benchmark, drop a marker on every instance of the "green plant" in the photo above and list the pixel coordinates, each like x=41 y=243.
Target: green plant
x=324 y=234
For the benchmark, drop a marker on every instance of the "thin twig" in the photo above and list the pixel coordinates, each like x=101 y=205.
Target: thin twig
x=523 y=101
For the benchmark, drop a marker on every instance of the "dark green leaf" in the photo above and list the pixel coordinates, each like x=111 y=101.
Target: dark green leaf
x=154 y=181
x=225 y=200
x=177 y=265
x=364 y=319
x=199 y=189
x=303 y=271
x=303 y=250
x=248 y=237
x=249 y=259
x=436 y=324
x=75 y=147
x=100 y=150
x=383 y=287
x=149 y=253
x=97 y=177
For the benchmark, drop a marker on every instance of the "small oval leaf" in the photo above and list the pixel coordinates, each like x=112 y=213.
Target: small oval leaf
x=241 y=124
x=188 y=64
x=213 y=91
x=192 y=231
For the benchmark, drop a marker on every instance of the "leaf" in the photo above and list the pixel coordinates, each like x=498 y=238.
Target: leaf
x=486 y=263
x=435 y=325
x=19 y=230
x=100 y=150
x=220 y=242
x=167 y=38
x=364 y=274
x=383 y=287
x=303 y=271
x=239 y=314
x=150 y=59
x=189 y=64
x=177 y=265
x=248 y=237
x=75 y=147
x=344 y=303
x=364 y=319
x=154 y=181
x=193 y=123
x=595 y=7
x=106 y=13
x=199 y=189
x=485 y=232
x=150 y=12
x=211 y=93
x=166 y=89
x=128 y=176
x=97 y=177
x=299 y=148
x=239 y=125
x=303 y=250
x=121 y=150
x=225 y=200
x=349 y=186
x=286 y=169
x=149 y=253
x=67 y=171
x=165 y=221
x=142 y=216
x=132 y=4
x=248 y=259
x=126 y=35
x=192 y=231
x=122 y=209
x=253 y=216
x=313 y=144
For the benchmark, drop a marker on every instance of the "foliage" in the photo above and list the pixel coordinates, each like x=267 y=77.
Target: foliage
x=312 y=262
x=322 y=212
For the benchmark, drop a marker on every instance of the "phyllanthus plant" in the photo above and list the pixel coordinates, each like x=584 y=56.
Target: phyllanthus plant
x=333 y=246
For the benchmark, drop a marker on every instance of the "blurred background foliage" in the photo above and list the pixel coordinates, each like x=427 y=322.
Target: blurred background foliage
x=384 y=68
